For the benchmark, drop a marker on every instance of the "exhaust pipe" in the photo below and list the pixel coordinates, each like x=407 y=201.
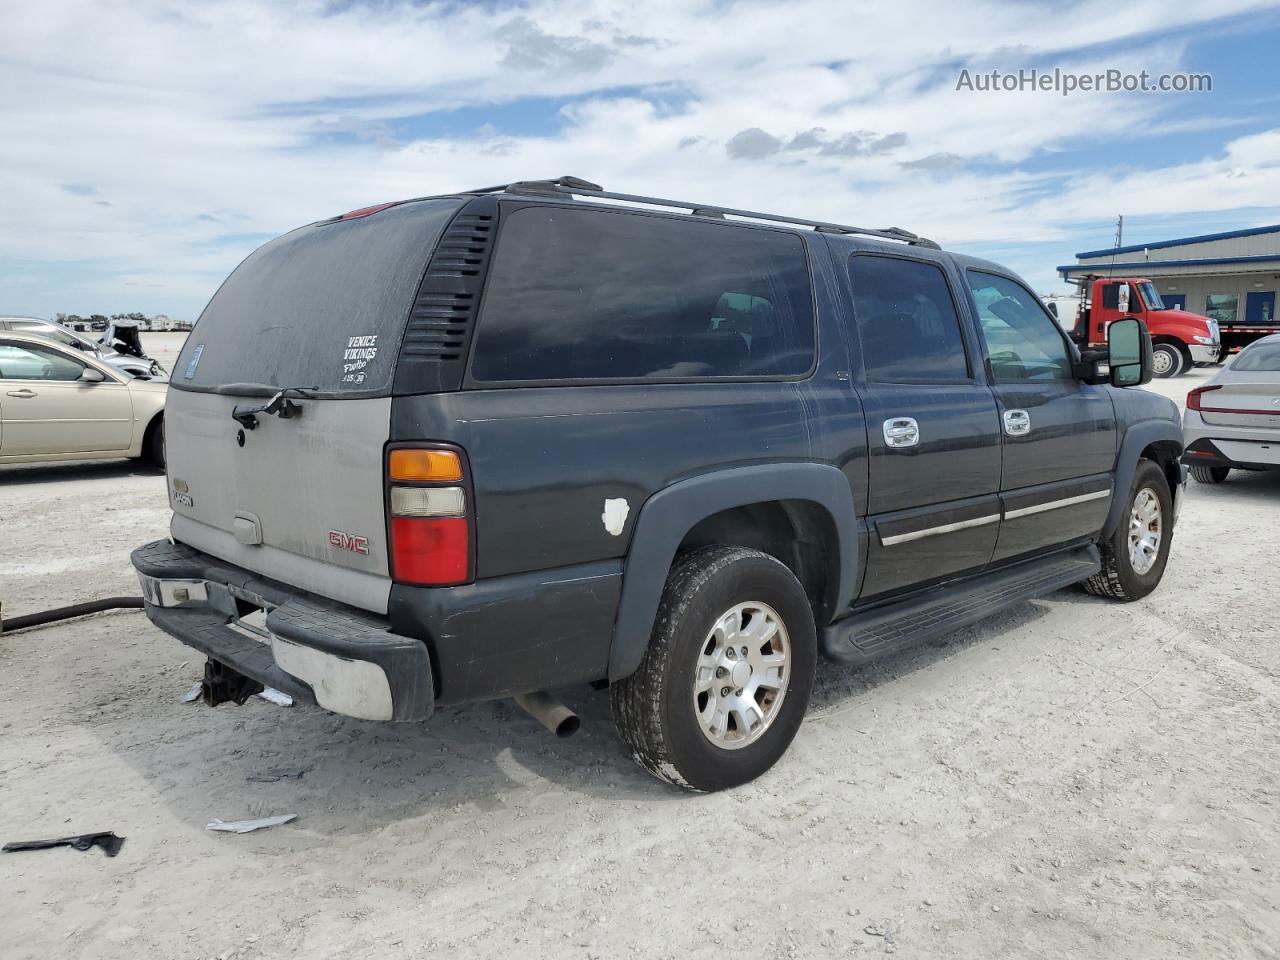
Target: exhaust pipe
x=552 y=714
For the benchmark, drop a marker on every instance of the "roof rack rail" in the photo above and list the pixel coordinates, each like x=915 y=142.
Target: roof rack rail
x=575 y=185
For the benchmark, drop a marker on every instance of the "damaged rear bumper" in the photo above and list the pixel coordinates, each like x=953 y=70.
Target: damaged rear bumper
x=344 y=659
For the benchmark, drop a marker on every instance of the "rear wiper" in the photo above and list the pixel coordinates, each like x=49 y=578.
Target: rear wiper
x=279 y=405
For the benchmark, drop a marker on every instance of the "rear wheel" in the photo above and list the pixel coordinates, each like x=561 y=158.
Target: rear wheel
x=726 y=679
x=1209 y=474
x=1134 y=557
x=1166 y=360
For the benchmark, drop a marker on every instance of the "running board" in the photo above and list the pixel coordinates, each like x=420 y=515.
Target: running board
x=870 y=634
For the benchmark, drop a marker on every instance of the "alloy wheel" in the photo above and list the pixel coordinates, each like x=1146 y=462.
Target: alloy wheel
x=741 y=675
x=1146 y=527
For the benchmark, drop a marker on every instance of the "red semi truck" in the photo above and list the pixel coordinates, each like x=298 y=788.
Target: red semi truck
x=1178 y=338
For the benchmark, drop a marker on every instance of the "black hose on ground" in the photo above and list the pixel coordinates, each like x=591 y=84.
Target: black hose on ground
x=65 y=613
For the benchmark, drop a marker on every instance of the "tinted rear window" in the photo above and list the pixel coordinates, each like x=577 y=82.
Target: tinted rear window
x=323 y=306
x=591 y=294
x=1258 y=356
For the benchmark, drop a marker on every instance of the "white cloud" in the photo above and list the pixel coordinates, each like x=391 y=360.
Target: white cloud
x=151 y=130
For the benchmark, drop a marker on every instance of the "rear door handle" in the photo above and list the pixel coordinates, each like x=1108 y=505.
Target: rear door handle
x=23 y=394
x=1017 y=423
x=901 y=432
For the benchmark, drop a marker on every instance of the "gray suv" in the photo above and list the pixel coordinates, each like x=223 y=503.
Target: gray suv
x=509 y=440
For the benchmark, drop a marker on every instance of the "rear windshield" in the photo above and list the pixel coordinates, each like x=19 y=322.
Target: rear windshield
x=321 y=307
x=594 y=294
x=1258 y=356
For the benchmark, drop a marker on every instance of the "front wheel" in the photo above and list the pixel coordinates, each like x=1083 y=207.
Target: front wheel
x=1166 y=360
x=1134 y=557
x=726 y=678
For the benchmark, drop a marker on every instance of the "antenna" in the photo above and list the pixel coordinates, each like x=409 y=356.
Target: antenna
x=1116 y=248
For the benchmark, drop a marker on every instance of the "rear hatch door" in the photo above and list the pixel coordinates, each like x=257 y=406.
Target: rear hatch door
x=321 y=310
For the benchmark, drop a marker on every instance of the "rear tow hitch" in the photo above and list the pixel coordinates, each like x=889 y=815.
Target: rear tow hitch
x=221 y=684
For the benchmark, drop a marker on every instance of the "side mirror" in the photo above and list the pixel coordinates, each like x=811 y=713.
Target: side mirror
x=1123 y=294
x=92 y=375
x=1129 y=352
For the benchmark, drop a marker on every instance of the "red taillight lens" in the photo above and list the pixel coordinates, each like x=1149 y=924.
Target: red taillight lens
x=369 y=211
x=1193 y=398
x=431 y=551
x=430 y=524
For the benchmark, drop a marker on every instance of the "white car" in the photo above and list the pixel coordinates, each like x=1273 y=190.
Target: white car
x=57 y=403
x=1233 y=421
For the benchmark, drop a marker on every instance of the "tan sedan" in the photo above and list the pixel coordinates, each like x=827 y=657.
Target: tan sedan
x=60 y=404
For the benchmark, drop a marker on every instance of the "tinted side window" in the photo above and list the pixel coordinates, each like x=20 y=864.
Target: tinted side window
x=589 y=294
x=25 y=361
x=45 y=330
x=907 y=321
x=1111 y=296
x=1023 y=341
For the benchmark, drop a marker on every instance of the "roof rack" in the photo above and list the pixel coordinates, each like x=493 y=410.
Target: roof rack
x=568 y=186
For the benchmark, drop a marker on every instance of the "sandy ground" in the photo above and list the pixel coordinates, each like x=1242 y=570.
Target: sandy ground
x=1074 y=778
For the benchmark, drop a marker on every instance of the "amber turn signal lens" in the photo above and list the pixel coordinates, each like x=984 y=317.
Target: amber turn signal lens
x=425 y=466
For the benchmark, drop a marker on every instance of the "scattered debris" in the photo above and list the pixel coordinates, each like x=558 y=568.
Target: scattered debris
x=272 y=695
x=280 y=773
x=107 y=840
x=247 y=826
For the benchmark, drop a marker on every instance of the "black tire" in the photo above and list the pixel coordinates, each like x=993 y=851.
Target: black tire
x=654 y=708
x=1118 y=580
x=1203 y=474
x=153 y=444
x=1166 y=360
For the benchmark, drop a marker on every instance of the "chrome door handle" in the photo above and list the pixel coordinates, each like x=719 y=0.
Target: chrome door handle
x=23 y=394
x=900 y=432
x=1017 y=423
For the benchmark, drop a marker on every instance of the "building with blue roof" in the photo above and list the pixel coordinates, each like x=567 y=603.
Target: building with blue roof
x=1232 y=277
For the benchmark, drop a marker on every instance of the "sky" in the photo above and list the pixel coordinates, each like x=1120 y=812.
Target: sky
x=150 y=146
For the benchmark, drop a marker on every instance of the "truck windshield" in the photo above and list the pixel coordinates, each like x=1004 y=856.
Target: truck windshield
x=1152 y=298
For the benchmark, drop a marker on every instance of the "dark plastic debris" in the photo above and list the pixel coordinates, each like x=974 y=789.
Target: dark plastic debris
x=107 y=840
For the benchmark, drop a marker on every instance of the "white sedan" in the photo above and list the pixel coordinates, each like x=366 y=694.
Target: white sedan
x=57 y=403
x=1233 y=421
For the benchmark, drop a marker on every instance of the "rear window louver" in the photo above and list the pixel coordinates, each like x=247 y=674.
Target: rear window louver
x=434 y=348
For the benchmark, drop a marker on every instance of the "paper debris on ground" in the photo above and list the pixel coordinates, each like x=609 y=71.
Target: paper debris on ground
x=193 y=694
x=277 y=697
x=247 y=826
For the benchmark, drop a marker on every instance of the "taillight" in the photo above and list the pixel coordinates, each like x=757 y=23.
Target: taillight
x=369 y=211
x=1193 y=398
x=430 y=523
x=425 y=465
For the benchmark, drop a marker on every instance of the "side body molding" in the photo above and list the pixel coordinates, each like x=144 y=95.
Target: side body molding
x=1137 y=437
x=670 y=513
